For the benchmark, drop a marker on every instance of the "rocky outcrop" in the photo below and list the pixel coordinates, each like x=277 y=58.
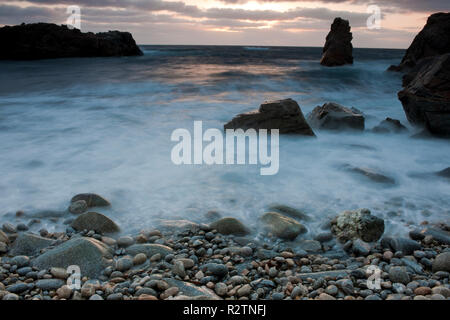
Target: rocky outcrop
x=91 y=255
x=94 y=221
x=357 y=224
x=338 y=46
x=230 y=225
x=390 y=125
x=284 y=115
x=426 y=96
x=333 y=116
x=282 y=226
x=46 y=41
x=433 y=40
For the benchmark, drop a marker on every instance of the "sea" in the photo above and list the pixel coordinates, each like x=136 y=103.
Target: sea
x=104 y=125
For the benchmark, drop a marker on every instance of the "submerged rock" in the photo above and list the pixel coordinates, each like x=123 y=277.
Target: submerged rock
x=91 y=255
x=390 y=126
x=282 y=226
x=230 y=226
x=30 y=244
x=357 y=224
x=289 y=211
x=94 y=221
x=426 y=97
x=444 y=173
x=284 y=115
x=333 y=116
x=91 y=199
x=78 y=207
x=433 y=40
x=372 y=175
x=338 y=49
x=47 y=40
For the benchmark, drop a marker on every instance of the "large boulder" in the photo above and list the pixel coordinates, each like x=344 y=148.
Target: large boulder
x=357 y=224
x=29 y=244
x=333 y=116
x=230 y=225
x=284 y=115
x=338 y=49
x=390 y=125
x=282 y=226
x=433 y=40
x=91 y=199
x=47 y=40
x=426 y=96
x=94 y=221
x=91 y=255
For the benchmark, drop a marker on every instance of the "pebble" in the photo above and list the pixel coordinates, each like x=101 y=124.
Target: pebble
x=221 y=288
x=64 y=292
x=398 y=274
x=140 y=258
x=124 y=264
x=244 y=290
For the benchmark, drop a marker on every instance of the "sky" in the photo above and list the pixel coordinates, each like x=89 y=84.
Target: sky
x=236 y=22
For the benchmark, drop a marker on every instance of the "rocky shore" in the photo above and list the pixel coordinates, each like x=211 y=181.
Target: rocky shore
x=224 y=259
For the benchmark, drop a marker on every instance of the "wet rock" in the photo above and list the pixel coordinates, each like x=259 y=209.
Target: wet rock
x=309 y=245
x=91 y=255
x=284 y=115
x=440 y=236
x=357 y=224
x=9 y=228
x=289 y=211
x=91 y=199
x=17 y=288
x=124 y=264
x=371 y=174
x=444 y=173
x=78 y=207
x=442 y=262
x=178 y=269
x=390 y=125
x=139 y=258
x=192 y=291
x=216 y=269
x=407 y=246
x=333 y=116
x=125 y=241
x=282 y=226
x=338 y=49
x=230 y=226
x=398 y=275
x=94 y=221
x=149 y=249
x=3 y=237
x=64 y=292
x=360 y=248
x=29 y=244
x=49 y=284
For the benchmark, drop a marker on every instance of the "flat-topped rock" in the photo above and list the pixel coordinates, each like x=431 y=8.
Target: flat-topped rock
x=284 y=115
x=333 y=116
x=47 y=40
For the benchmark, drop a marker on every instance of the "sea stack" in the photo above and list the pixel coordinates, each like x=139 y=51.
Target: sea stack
x=47 y=41
x=338 y=46
x=433 y=40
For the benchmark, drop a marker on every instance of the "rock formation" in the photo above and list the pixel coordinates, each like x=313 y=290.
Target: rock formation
x=433 y=40
x=46 y=40
x=426 y=98
x=338 y=46
x=333 y=116
x=284 y=115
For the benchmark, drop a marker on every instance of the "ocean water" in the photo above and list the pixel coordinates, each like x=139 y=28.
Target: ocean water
x=103 y=125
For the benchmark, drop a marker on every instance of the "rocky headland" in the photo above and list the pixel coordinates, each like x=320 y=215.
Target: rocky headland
x=48 y=41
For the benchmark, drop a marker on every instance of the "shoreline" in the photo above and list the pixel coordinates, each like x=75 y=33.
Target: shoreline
x=190 y=261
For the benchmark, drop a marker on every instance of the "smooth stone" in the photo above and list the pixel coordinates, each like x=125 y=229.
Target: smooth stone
x=442 y=262
x=149 y=249
x=398 y=274
x=29 y=244
x=94 y=221
x=124 y=264
x=78 y=207
x=230 y=226
x=282 y=226
x=91 y=199
x=49 y=284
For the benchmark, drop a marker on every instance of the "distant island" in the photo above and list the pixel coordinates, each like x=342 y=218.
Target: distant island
x=48 y=40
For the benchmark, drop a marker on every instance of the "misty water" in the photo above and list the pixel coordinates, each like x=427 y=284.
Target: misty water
x=103 y=125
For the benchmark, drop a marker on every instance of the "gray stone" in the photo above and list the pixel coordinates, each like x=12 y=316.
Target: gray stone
x=125 y=241
x=29 y=244
x=91 y=255
x=94 y=221
x=399 y=275
x=3 y=237
x=124 y=264
x=191 y=290
x=407 y=246
x=178 y=269
x=91 y=199
x=216 y=269
x=78 y=207
x=442 y=262
x=333 y=116
x=282 y=226
x=17 y=288
x=230 y=226
x=149 y=249
x=50 y=284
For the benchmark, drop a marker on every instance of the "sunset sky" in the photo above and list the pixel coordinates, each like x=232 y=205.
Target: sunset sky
x=234 y=22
